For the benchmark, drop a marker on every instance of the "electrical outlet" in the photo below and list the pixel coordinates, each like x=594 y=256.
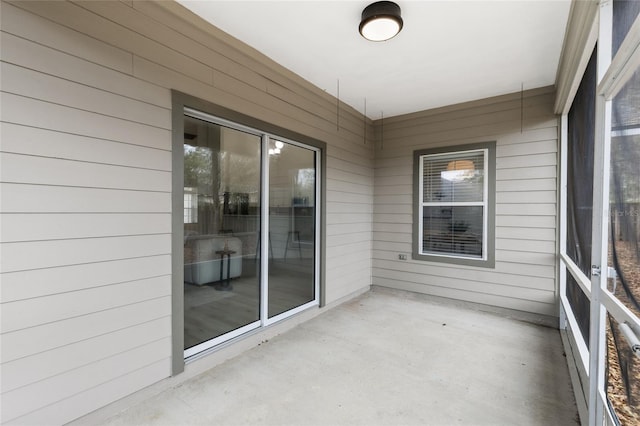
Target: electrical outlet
x=402 y=256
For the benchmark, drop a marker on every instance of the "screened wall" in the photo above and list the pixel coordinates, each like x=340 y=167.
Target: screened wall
x=600 y=216
x=623 y=369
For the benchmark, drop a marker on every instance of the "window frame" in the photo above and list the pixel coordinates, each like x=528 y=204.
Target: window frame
x=489 y=188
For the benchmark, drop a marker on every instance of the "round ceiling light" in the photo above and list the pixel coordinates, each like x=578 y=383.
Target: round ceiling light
x=380 y=21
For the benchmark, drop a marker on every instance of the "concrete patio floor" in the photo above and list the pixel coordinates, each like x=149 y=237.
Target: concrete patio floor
x=381 y=359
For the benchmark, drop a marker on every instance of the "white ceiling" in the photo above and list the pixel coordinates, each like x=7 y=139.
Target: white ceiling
x=448 y=51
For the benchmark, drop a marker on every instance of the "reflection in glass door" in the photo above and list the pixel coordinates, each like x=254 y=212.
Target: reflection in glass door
x=292 y=226
x=247 y=262
x=221 y=231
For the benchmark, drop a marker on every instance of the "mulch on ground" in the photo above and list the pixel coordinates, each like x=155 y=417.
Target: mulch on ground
x=623 y=379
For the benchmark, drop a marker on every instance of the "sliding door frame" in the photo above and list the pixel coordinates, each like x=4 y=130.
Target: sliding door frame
x=266 y=320
x=184 y=104
x=195 y=351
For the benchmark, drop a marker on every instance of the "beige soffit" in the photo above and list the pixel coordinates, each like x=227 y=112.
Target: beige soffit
x=448 y=52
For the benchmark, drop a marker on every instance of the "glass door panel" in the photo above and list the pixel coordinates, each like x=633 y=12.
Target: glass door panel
x=221 y=230
x=292 y=226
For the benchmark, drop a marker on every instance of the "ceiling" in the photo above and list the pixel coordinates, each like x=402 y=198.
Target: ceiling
x=448 y=51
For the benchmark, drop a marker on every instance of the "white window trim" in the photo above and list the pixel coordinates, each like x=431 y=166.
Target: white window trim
x=483 y=203
x=487 y=259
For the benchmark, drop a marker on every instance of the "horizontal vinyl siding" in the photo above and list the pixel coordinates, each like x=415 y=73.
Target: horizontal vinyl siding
x=85 y=179
x=349 y=216
x=526 y=132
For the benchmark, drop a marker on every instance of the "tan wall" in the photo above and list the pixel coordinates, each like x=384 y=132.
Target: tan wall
x=85 y=178
x=86 y=189
x=523 y=278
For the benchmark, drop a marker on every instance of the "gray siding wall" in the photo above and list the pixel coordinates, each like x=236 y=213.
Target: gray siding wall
x=526 y=132
x=85 y=180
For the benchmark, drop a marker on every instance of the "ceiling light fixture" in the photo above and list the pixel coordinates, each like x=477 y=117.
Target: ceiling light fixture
x=380 y=21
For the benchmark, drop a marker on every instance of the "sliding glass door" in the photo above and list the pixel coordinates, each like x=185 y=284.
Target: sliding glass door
x=221 y=229
x=292 y=225
x=238 y=181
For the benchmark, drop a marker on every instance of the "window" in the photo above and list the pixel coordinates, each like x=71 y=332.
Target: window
x=190 y=205
x=453 y=204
